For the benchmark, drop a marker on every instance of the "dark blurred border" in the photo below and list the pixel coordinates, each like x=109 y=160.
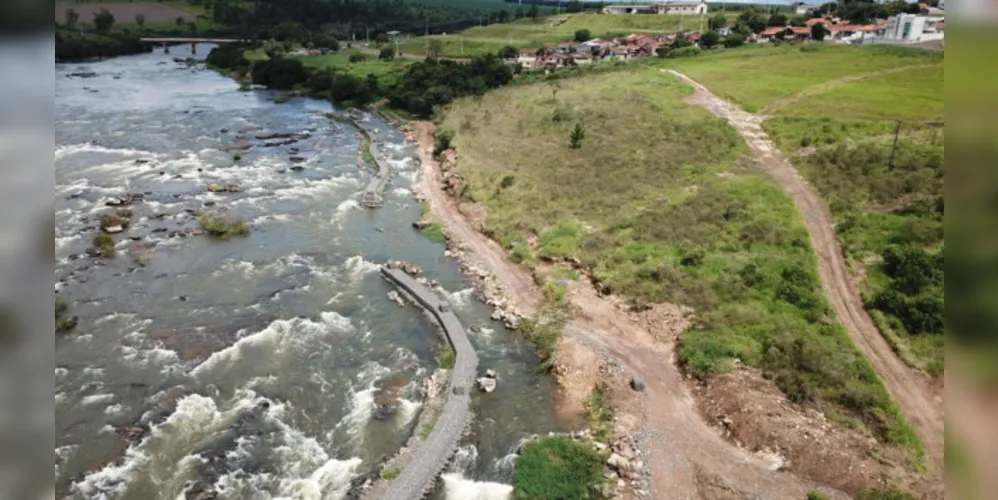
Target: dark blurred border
x=972 y=253
x=26 y=249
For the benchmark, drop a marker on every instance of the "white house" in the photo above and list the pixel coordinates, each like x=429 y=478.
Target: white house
x=911 y=28
x=689 y=7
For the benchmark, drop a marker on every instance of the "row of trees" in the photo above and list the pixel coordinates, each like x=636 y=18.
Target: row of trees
x=419 y=90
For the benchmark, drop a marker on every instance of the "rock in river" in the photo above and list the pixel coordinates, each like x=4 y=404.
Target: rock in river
x=486 y=384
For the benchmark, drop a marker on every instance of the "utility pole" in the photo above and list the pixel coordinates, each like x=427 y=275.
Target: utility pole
x=897 y=129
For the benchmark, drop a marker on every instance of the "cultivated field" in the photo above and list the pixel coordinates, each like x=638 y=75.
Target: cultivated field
x=667 y=210
x=124 y=13
x=341 y=61
x=550 y=30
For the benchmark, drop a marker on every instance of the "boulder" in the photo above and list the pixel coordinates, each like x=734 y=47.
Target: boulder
x=215 y=188
x=486 y=384
x=297 y=168
x=296 y=159
x=637 y=384
x=396 y=298
x=490 y=373
x=618 y=462
x=114 y=229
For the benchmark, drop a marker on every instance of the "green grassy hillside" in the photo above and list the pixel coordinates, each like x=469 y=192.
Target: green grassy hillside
x=661 y=204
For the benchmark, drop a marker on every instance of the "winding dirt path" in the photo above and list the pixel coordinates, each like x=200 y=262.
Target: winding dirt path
x=838 y=82
x=687 y=458
x=909 y=388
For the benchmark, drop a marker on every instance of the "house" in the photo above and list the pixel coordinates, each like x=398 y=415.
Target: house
x=789 y=33
x=527 y=58
x=852 y=33
x=725 y=31
x=566 y=48
x=911 y=28
x=801 y=8
x=686 y=7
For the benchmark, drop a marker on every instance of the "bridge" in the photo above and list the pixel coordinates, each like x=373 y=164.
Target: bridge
x=167 y=42
x=177 y=41
x=418 y=477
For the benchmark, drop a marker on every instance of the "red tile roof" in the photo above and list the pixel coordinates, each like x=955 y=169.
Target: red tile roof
x=799 y=30
x=773 y=30
x=816 y=20
x=941 y=25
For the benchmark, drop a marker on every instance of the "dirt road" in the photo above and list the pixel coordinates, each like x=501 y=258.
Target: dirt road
x=687 y=458
x=909 y=388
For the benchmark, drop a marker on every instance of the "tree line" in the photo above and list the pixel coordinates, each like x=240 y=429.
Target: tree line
x=419 y=90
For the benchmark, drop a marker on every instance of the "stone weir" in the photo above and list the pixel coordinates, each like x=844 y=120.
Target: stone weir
x=418 y=477
x=374 y=192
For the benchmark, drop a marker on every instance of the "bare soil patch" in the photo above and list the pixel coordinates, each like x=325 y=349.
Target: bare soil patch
x=124 y=13
x=753 y=413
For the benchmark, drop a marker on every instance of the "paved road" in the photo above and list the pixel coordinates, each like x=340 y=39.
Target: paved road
x=418 y=478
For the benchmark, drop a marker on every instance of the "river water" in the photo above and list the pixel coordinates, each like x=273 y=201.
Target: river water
x=252 y=364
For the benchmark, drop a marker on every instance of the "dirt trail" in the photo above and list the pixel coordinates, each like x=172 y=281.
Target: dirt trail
x=909 y=388
x=838 y=82
x=687 y=458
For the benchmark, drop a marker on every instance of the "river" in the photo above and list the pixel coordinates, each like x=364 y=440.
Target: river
x=252 y=365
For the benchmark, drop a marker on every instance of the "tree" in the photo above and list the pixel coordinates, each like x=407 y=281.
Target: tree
x=709 y=39
x=279 y=73
x=386 y=54
x=777 y=19
x=140 y=19
x=433 y=49
x=103 y=21
x=717 y=22
x=819 y=31
x=508 y=52
x=71 y=17
x=798 y=21
x=734 y=40
x=502 y=16
x=534 y=12
x=573 y=7
x=180 y=21
x=575 y=138
x=680 y=42
x=582 y=36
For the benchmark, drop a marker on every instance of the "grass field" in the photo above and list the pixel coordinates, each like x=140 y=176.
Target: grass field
x=661 y=205
x=549 y=30
x=759 y=76
x=481 y=5
x=839 y=135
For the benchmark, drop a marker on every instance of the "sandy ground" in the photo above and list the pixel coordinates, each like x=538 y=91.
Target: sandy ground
x=912 y=390
x=686 y=457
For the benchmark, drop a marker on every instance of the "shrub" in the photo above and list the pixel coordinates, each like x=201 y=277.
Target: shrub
x=576 y=136
x=63 y=324
x=386 y=54
x=391 y=474
x=508 y=52
x=356 y=58
x=582 y=36
x=557 y=468
x=877 y=494
x=105 y=243
x=447 y=357
x=103 y=21
x=223 y=227
x=435 y=233
x=442 y=140
x=709 y=39
x=685 y=52
x=227 y=56
x=734 y=40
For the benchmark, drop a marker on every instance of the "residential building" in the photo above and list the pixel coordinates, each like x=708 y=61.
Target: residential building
x=911 y=28
x=690 y=7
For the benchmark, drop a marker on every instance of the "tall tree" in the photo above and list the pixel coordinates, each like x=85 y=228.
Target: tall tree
x=819 y=31
x=72 y=17
x=103 y=21
x=534 y=12
x=433 y=49
x=717 y=22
